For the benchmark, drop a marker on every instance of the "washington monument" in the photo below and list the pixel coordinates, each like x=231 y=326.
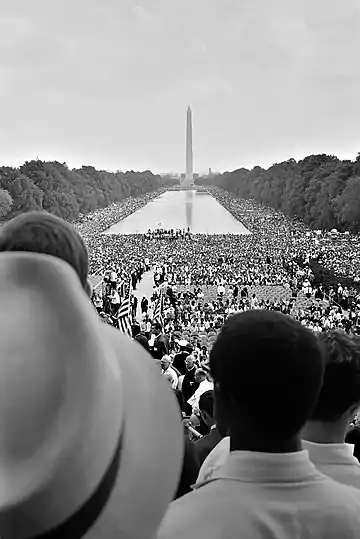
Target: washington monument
x=189 y=177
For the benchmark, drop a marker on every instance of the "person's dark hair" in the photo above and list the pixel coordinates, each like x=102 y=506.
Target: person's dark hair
x=157 y=325
x=135 y=328
x=206 y=403
x=142 y=339
x=267 y=366
x=341 y=386
x=44 y=233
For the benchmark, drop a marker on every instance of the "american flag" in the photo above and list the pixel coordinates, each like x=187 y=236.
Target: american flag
x=158 y=317
x=123 y=314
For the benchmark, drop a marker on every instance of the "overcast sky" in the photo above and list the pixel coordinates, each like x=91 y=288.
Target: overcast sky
x=107 y=82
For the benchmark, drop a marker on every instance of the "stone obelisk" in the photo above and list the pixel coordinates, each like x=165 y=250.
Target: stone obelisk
x=189 y=177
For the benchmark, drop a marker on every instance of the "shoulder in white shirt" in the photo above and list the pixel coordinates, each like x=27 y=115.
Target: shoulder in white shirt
x=215 y=459
x=203 y=387
x=336 y=461
x=265 y=495
x=173 y=377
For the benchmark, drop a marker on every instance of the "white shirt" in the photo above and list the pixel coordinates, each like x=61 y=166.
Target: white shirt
x=336 y=461
x=204 y=386
x=261 y=495
x=115 y=298
x=215 y=459
x=174 y=377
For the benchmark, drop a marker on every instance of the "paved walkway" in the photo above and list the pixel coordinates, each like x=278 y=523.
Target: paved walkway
x=145 y=288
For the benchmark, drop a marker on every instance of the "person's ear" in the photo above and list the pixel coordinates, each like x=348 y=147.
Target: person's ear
x=205 y=417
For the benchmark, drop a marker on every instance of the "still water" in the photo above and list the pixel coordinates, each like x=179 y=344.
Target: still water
x=181 y=209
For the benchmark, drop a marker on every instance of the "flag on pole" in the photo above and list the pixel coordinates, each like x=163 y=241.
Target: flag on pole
x=123 y=314
x=158 y=317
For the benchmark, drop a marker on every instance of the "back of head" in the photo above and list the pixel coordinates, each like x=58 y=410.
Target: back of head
x=340 y=392
x=200 y=374
x=268 y=368
x=44 y=233
x=206 y=403
x=165 y=361
x=157 y=326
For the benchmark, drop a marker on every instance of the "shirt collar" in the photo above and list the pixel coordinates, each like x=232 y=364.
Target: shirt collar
x=254 y=467
x=330 y=453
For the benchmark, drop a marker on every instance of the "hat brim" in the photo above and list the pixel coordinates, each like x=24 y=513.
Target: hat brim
x=150 y=440
x=152 y=448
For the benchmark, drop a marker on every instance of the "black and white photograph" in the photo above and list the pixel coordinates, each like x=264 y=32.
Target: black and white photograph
x=179 y=269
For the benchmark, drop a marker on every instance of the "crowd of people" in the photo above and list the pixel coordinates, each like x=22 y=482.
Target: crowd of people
x=261 y=439
x=168 y=233
x=213 y=276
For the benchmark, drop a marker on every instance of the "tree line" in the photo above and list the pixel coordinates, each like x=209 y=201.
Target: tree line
x=321 y=190
x=52 y=186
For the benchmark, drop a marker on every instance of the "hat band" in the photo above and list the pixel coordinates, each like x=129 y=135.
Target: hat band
x=80 y=522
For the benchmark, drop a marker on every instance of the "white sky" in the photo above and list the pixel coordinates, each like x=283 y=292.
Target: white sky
x=107 y=82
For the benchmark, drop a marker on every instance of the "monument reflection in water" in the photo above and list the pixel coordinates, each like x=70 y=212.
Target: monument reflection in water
x=181 y=209
x=189 y=209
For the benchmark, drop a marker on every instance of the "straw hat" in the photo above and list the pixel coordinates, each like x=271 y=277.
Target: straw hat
x=91 y=441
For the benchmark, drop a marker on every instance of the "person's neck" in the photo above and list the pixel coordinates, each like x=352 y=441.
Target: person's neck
x=325 y=433
x=256 y=442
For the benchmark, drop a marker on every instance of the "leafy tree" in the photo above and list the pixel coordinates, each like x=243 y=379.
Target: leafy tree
x=347 y=205
x=6 y=202
x=51 y=186
x=25 y=194
x=320 y=189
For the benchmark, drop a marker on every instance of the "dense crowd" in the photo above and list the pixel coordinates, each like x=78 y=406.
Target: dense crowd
x=213 y=276
x=262 y=439
x=168 y=233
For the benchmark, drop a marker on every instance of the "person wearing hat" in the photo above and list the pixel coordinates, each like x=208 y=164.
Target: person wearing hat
x=91 y=438
x=267 y=487
x=113 y=278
